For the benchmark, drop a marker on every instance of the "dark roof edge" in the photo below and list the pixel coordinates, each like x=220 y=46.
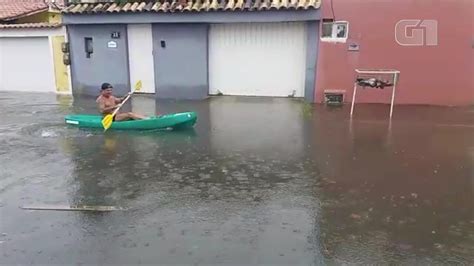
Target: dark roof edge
x=25 y=14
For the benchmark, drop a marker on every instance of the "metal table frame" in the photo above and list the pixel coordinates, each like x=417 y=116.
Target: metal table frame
x=396 y=75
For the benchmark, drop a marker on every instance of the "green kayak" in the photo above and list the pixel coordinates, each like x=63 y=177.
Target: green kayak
x=169 y=121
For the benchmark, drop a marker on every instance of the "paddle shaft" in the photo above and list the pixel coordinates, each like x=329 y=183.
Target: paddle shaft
x=121 y=104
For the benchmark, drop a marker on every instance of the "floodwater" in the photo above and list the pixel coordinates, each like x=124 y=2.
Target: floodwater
x=257 y=181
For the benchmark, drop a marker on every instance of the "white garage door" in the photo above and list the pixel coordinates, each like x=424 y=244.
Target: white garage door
x=26 y=64
x=257 y=59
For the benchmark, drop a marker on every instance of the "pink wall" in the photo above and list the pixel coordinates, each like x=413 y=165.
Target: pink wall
x=438 y=75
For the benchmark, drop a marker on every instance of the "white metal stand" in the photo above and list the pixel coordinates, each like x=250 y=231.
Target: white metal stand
x=393 y=72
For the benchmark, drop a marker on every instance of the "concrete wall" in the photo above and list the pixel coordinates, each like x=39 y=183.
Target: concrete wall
x=181 y=67
x=26 y=64
x=54 y=37
x=61 y=71
x=312 y=50
x=106 y=64
x=440 y=75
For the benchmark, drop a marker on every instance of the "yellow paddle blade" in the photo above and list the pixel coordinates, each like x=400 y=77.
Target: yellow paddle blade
x=138 y=85
x=107 y=121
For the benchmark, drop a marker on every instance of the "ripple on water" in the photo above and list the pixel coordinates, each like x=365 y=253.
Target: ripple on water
x=49 y=133
x=54 y=130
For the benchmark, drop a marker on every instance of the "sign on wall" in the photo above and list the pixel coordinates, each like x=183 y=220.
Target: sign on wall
x=112 y=44
x=115 y=35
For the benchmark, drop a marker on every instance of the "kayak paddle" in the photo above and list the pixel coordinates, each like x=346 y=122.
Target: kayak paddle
x=108 y=119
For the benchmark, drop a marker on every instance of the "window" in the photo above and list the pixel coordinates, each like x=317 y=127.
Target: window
x=335 y=31
x=88 y=46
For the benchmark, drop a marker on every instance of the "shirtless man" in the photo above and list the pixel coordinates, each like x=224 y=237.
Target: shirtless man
x=108 y=103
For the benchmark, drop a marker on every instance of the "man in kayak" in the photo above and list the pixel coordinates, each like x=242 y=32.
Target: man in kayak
x=108 y=103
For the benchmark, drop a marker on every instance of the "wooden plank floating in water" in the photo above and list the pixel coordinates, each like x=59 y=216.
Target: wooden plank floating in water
x=73 y=208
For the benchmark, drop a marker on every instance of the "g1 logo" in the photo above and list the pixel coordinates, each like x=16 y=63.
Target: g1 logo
x=416 y=32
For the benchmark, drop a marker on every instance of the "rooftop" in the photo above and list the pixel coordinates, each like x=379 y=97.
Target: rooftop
x=14 y=9
x=189 y=6
x=30 y=25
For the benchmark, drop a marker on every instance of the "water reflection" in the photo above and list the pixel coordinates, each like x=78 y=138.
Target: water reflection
x=258 y=125
x=389 y=192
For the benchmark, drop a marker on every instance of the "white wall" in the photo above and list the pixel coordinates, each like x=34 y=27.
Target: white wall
x=257 y=59
x=140 y=52
x=27 y=33
x=26 y=65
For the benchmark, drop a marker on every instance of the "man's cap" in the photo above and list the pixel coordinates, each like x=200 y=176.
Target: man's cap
x=106 y=86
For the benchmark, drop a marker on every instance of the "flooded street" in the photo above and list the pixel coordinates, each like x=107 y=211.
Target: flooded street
x=258 y=181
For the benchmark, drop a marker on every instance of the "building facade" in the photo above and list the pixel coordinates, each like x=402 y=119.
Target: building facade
x=193 y=49
x=31 y=47
x=431 y=43
x=296 y=48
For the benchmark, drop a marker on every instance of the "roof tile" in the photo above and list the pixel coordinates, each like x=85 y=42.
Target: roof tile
x=13 y=9
x=139 y=8
x=197 y=5
x=164 y=7
x=301 y=4
x=205 y=5
x=89 y=9
x=134 y=6
x=126 y=7
x=30 y=25
x=230 y=5
x=221 y=5
x=174 y=6
x=188 y=6
x=83 y=8
x=239 y=4
x=73 y=8
x=111 y=7
x=97 y=7
x=264 y=5
x=155 y=6
x=191 y=5
x=148 y=6
x=313 y=3
x=256 y=5
x=118 y=8
x=214 y=5
x=248 y=4
x=275 y=4
x=105 y=7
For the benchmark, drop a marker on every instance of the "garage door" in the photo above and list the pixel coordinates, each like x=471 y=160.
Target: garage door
x=257 y=59
x=26 y=65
